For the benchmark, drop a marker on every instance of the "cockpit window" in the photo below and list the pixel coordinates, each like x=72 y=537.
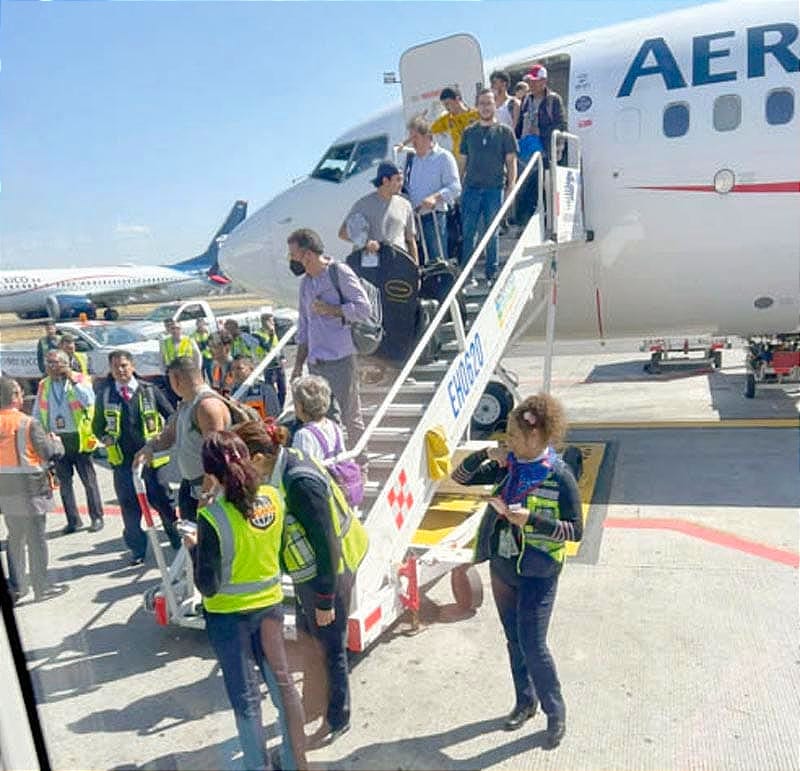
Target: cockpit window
x=368 y=154
x=334 y=163
x=350 y=158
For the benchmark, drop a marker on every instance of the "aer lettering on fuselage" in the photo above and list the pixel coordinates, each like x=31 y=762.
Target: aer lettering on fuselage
x=655 y=57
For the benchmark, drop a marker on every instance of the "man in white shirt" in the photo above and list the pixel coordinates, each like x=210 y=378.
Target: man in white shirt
x=433 y=186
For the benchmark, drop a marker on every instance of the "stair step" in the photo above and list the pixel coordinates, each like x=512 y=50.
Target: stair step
x=426 y=388
x=393 y=435
x=412 y=410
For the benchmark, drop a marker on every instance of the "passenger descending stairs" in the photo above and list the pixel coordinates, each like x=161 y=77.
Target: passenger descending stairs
x=443 y=393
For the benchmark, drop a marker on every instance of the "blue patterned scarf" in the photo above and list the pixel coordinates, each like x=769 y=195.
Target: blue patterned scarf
x=524 y=476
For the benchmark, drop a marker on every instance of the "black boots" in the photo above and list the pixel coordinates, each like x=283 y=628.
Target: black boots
x=556 y=728
x=518 y=716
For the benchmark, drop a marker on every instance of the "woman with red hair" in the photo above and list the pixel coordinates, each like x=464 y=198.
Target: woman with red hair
x=237 y=570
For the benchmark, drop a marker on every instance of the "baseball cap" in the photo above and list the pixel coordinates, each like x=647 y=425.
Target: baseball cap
x=537 y=72
x=385 y=169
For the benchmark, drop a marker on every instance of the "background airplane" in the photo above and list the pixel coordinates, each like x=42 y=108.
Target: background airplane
x=691 y=160
x=66 y=292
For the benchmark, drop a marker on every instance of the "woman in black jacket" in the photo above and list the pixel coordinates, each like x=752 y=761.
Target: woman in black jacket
x=534 y=510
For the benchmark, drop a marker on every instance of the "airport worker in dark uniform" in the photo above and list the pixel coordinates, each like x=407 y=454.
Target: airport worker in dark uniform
x=25 y=493
x=267 y=338
x=534 y=510
x=260 y=396
x=47 y=343
x=323 y=546
x=128 y=413
x=236 y=556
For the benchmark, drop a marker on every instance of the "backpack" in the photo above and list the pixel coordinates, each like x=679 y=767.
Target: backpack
x=346 y=473
x=367 y=335
x=240 y=413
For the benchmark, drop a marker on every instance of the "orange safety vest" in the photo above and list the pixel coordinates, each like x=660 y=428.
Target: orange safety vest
x=17 y=453
x=219 y=381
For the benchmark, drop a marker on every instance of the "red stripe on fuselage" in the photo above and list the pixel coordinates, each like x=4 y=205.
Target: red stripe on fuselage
x=756 y=187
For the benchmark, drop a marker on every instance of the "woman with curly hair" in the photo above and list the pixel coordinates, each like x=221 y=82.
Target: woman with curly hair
x=236 y=555
x=534 y=509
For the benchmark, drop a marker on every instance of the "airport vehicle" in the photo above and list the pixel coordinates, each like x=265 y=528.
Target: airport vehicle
x=772 y=362
x=94 y=338
x=63 y=293
x=188 y=312
x=669 y=351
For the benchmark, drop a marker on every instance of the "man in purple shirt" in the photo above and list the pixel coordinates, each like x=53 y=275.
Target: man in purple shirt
x=323 y=332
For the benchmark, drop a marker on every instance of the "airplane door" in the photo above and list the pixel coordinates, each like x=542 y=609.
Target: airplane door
x=428 y=68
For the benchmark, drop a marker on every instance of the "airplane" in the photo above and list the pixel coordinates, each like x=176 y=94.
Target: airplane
x=691 y=175
x=63 y=293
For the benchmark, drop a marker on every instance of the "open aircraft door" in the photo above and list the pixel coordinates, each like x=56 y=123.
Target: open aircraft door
x=428 y=68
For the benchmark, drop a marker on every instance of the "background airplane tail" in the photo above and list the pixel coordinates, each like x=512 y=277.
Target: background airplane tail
x=209 y=259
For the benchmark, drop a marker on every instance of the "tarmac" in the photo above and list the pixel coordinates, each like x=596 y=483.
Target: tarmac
x=675 y=631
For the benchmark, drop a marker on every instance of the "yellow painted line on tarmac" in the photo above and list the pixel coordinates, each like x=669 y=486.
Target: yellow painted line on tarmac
x=732 y=423
x=455 y=503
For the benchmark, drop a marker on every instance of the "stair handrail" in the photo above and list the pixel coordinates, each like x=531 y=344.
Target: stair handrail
x=264 y=363
x=444 y=308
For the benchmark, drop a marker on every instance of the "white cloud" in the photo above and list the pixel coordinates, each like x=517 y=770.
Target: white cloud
x=124 y=230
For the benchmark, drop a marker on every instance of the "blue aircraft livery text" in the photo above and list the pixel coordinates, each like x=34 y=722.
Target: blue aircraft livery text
x=465 y=375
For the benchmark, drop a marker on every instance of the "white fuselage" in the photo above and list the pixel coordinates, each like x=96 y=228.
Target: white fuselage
x=670 y=253
x=23 y=291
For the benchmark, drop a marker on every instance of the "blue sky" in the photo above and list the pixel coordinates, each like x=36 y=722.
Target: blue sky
x=128 y=129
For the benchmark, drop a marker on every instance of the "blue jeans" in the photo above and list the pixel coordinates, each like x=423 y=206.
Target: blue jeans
x=241 y=642
x=478 y=208
x=435 y=247
x=525 y=606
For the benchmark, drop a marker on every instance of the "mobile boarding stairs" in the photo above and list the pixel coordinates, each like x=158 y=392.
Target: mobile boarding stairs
x=466 y=387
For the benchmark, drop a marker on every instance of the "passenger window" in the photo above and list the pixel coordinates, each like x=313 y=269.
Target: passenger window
x=676 y=119
x=368 y=153
x=780 y=106
x=727 y=112
x=334 y=162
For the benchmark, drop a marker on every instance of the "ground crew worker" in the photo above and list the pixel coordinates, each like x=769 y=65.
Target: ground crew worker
x=323 y=547
x=267 y=338
x=200 y=337
x=260 y=396
x=175 y=344
x=78 y=360
x=47 y=343
x=221 y=378
x=64 y=406
x=242 y=343
x=238 y=572
x=197 y=416
x=129 y=412
x=535 y=509
x=25 y=493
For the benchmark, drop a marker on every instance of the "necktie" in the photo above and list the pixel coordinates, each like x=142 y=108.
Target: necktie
x=126 y=393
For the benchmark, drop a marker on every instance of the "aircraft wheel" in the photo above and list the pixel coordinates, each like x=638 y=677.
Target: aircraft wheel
x=467 y=587
x=493 y=408
x=110 y=314
x=750 y=385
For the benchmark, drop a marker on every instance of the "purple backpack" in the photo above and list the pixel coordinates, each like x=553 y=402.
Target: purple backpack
x=346 y=473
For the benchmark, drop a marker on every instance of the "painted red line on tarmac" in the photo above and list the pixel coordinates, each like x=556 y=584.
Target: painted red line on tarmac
x=115 y=511
x=719 y=537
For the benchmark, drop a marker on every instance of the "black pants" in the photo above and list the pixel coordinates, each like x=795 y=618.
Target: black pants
x=333 y=639
x=187 y=503
x=27 y=533
x=82 y=463
x=277 y=378
x=159 y=498
x=525 y=606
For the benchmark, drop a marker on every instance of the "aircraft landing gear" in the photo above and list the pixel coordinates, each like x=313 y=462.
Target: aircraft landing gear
x=110 y=314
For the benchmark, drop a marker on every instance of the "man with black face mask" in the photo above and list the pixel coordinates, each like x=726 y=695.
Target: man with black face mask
x=323 y=334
